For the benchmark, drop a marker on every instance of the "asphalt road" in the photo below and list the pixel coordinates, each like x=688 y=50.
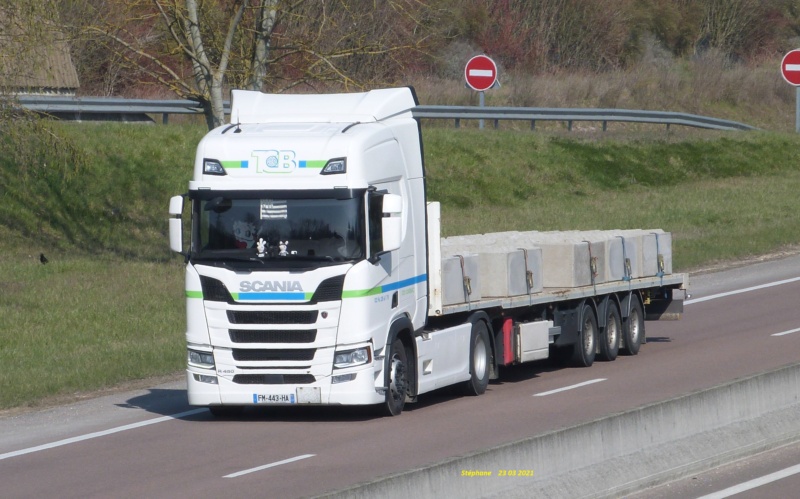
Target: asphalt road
x=774 y=474
x=151 y=443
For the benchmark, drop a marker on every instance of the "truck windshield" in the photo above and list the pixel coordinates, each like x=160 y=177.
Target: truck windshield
x=269 y=227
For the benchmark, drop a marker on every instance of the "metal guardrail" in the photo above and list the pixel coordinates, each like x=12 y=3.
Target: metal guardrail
x=534 y=114
x=77 y=108
x=88 y=107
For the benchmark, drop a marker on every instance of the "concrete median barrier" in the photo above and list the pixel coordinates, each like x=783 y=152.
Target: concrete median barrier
x=620 y=453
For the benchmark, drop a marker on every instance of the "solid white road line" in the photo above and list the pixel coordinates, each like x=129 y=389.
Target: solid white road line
x=558 y=390
x=752 y=484
x=791 y=331
x=739 y=291
x=97 y=434
x=271 y=465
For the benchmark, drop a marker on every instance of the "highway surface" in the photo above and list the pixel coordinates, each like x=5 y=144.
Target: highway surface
x=769 y=475
x=152 y=444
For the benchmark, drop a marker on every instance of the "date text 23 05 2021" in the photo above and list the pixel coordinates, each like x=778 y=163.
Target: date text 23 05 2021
x=500 y=473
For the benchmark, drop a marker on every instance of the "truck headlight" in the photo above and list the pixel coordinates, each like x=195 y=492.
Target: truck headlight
x=350 y=358
x=201 y=359
x=213 y=167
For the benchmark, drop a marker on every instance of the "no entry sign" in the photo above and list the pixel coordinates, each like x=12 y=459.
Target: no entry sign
x=481 y=73
x=790 y=67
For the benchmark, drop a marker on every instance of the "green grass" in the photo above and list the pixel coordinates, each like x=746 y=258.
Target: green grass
x=107 y=196
x=109 y=306
x=85 y=323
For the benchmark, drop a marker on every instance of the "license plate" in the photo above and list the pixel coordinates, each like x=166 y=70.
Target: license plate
x=274 y=398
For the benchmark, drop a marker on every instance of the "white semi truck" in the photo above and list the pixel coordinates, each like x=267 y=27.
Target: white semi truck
x=316 y=272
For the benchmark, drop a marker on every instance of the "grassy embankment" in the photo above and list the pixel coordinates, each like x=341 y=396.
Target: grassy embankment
x=108 y=307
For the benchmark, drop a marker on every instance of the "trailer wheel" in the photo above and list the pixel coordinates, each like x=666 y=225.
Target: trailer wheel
x=633 y=329
x=479 y=360
x=397 y=378
x=585 y=349
x=610 y=335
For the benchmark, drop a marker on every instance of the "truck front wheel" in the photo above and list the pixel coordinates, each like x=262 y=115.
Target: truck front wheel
x=397 y=378
x=480 y=357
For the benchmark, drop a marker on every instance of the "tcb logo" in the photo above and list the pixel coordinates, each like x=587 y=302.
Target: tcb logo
x=274 y=161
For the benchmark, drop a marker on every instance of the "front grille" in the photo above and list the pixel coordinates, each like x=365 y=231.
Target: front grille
x=214 y=290
x=272 y=316
x=263 y=355
x=273 y=379
x=329 y=290
x=273 y=336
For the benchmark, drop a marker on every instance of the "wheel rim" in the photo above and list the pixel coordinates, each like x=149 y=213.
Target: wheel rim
x=634 y=325
x=612 y=330
x=588 y=336
x=479 y=358
x=397 y=381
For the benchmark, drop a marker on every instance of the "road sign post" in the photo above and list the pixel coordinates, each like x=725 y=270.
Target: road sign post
x=790 y=69
x=481 y=75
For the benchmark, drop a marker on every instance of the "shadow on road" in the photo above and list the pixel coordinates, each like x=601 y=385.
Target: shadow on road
x=171 y=402
x=163 y=401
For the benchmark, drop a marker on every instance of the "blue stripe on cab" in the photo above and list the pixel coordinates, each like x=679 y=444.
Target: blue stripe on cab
x=272 y=296
x=405 y=282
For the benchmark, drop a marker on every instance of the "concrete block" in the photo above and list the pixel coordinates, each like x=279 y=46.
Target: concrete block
x=633 y=241
x=568 y=259
x=460 y=282
x=623 y=256
x=502 y=273
x=505 y=269
x=485 y=241
x=655 y=247
x=534 y=268
x=661 y=244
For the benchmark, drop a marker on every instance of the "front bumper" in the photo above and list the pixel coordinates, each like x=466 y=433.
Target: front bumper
x=358 y=391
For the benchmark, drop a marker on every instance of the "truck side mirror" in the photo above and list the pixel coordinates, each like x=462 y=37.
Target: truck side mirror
x=176 y=224
x=392 y=222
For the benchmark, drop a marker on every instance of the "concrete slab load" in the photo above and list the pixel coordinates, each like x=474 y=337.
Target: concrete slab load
x=562 y=259
x=621 y=453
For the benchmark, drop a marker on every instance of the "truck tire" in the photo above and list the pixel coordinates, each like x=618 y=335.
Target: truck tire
x=396 y=378
x=633 y=328
x=480 y=357
x=585 y=348
x=608 y=342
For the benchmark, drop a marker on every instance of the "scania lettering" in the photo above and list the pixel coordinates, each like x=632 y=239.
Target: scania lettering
x=246 y=286
x=316 y=273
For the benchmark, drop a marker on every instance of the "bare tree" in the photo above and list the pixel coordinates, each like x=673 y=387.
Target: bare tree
x=201 y=48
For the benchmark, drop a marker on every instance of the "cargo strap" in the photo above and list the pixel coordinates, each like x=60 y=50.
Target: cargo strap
x=528 y=275
x=660 y=257
x=626 y=263
x=467 y=282
x=592 y=265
